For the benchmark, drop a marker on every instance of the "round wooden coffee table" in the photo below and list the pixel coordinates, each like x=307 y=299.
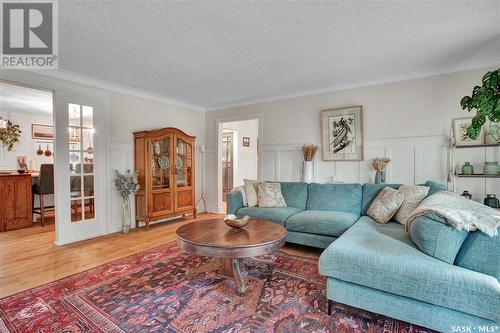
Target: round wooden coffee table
x=228 y=247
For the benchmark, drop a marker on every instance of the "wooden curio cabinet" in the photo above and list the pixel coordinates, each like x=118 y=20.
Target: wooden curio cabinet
x=165 y=160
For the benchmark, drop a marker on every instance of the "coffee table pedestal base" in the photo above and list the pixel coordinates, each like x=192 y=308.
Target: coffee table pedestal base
x=229 y=267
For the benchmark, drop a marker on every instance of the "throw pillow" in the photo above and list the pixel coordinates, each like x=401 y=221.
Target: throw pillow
x=269 y=195
x=385 y=205
x=413 y=196
x=251 y=192
x=241 y=189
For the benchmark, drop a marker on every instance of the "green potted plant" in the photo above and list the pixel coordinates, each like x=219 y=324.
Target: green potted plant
x=485 y=100
x=9 y=134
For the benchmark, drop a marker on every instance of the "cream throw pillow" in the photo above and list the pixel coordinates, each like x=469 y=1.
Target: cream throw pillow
x=385 y=205
x=251 y=192
x=413 y=194
x=241 y=189
x=269 y=195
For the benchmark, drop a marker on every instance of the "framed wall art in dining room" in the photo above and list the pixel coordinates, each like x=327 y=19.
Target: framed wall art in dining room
x=42 y=132
x=342 y=134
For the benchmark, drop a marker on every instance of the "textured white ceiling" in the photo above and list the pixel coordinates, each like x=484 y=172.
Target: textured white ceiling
x=213 y=54
x=20 y=99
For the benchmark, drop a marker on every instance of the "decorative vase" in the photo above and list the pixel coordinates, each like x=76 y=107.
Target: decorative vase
x=492 y=134
x=492 y=201
x=467 y=169
x=466 y=195
x=380 y=177
x=491 y=168
x=125 y=214
x=307 y=171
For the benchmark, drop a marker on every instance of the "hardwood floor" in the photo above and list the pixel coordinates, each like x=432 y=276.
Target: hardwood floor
x=29 y=257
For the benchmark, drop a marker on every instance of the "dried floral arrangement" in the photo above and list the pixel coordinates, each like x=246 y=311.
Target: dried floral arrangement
x=309 y=151
x=380 y=164
x=126 y=183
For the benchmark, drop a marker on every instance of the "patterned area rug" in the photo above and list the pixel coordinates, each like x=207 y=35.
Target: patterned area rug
x=148 y=292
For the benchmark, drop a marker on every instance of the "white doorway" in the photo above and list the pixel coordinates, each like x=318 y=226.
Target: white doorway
x=239 y=150
x=80 y=168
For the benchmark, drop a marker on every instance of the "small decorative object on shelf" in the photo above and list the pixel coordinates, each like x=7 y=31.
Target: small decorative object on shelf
x=491 y=168
x=379 y=164
x=126 y=184
x=236 y=223
x=467 y=169
x=492 y=134
x=307 y=170
x=492 y=201
x=466 y=195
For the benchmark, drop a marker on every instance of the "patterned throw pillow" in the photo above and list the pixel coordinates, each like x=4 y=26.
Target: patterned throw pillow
x=251 y=192
x=269 y=195
x=385 y=205
x=413 y=194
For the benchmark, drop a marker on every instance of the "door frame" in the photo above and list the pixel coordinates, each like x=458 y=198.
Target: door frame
x=33 y=79
x=220 y=128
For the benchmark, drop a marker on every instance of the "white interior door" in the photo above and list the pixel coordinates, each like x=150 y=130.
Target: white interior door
x=79 y=168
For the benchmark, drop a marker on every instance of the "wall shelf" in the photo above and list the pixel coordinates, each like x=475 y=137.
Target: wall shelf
x=479 y=146
x=477 y=175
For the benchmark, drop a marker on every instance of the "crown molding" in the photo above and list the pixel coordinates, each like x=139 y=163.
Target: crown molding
x=119 y=88
x=403 y=77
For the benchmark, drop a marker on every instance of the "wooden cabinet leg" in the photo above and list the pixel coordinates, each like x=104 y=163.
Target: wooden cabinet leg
x=147 y=225
x=194 y=213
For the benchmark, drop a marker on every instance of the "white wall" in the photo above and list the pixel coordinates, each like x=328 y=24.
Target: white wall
x=407 y=121
x=127 y=113
x=27 y=145
x=245 y=166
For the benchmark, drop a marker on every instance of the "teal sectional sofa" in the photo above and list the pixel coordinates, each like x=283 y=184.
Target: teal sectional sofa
x=378 y=267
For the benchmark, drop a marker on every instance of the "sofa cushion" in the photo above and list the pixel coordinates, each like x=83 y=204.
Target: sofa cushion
x=434 y=187
x=385 y=205
x=435 y=237
x=321 y=222
x=383 y=257
x=370 y=192
x=295 y=194
x=481 y=253
x=269 y=195
x=338 y=197
x=413 y=196
x=279 y=215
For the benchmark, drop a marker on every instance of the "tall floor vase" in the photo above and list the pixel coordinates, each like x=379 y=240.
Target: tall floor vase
x=307 y=171
x=126 y=214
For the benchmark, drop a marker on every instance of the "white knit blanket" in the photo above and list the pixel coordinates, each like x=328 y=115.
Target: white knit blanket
x=461 y=213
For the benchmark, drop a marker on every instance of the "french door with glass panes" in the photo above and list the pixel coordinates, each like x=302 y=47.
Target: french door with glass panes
x=80 y=170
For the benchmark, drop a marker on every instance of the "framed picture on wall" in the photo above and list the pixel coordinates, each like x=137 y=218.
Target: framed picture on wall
x=246 y=141
x=42 y=132
x=460 y=126
x=342 y=134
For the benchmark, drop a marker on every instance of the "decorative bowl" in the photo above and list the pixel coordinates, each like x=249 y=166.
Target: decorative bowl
x=21 y=171
x=235 y=222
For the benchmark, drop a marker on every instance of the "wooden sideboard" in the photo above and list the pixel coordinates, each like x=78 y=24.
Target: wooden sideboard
x=15 y=202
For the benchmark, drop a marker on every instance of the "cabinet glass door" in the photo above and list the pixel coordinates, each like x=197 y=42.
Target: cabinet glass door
x=183 y=163
x=160 y=163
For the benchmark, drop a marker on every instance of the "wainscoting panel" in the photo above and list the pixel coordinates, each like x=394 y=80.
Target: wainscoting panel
x=413 y=160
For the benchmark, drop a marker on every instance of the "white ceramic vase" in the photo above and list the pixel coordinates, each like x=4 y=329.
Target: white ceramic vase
x=307 y=171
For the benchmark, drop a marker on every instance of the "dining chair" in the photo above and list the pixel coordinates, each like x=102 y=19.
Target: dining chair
x=43 y=186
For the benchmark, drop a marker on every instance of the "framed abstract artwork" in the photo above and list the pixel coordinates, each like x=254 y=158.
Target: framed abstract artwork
x=460 y=126
x=342 y=134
